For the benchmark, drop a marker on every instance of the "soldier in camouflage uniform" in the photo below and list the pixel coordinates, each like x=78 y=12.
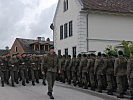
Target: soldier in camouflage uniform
x=2 y=71
x=73 y=69
x=67 y=68
x=52 y=64
x=44 y=70
x=62 y=68
x=90 y=66
x=99 y=67
x=120 y=69
x=78 y=70
x=23 y=69
x=13 y=68
x=110 y=74
x=130 y=73
x=83 y=68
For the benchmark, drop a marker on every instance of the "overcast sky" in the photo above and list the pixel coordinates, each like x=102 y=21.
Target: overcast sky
x=25 y=19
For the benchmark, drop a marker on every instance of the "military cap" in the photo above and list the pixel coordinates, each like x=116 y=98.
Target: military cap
x=84 y=55
x=79 y=55
x=99 y=54
x=51 y=47
x=120 y=52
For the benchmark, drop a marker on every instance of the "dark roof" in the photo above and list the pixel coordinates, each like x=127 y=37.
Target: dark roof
x=25 y=43
x=116 y=6
x=4 y=52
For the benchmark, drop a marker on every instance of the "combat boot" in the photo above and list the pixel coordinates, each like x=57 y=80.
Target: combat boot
x=13 y=85
x=37 y=81
x=44 y=83
x=27 y=81
x=50 y=95
x=2 y=84
x=110 y=93
x=23 y=83
x=120 y=95
x=33 y=83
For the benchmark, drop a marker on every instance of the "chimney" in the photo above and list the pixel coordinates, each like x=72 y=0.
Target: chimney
x=48 y=40
x=39 y=39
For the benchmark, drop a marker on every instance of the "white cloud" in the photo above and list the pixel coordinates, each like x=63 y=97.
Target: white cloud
x=25 y=18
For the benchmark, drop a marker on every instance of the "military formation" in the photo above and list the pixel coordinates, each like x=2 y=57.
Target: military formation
x=99 y=72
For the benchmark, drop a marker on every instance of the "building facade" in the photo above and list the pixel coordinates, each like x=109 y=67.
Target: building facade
x=38 y=46
x=82 y=26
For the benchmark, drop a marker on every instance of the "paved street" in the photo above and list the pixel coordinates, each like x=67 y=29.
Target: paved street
x=38 y=92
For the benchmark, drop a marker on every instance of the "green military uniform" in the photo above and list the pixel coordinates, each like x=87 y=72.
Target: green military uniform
x=13 y=70
x=120 y=68
x=83 y=68
x=52 y=64
x=67 y=68
x=62 y=69
x=130 y=75
x=43 y=70
x=73 y=70
x=2 y=71
x=23 y=70
x=99 y=67
x=90 y=66
x=78 y=70
x=110 y=75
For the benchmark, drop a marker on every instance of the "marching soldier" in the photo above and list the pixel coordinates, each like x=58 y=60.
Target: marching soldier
x=130 y=73
x=99 y=71
x=2 y=71
x=62 y=68
x=23 y=69
x=67 y=68
x=78 y=70
x=90 y=66
x=52 y=63
x=120 y=68
x=83 y=68
x=110 y=74
x=73 y=69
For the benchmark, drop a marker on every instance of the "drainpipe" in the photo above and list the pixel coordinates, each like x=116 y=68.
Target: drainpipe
x=87 y=33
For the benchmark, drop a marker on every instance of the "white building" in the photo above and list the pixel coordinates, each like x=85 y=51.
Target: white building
x=91 y=25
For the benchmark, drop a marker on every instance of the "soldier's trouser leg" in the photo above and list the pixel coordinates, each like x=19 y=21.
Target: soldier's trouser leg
x=120 y=84
x=131 y=86
x=2 y=76
x=110 y=82
x=74 y=77
x=104 y=82
x=36 y=76
x=68 y=75
x=16 y=76
x=7 y=76
x=32 y=76
x=26 y=75
x=12 y=77
x=51 y=77
x=99 y=81
x=92 y=80
x=22 y=75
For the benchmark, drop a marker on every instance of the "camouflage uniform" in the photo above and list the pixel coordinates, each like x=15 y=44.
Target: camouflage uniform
x=83 y=68
x=130 y=75
x=52 y=64
x=99 y=70
x=73 y=70
x=62 y=68
x=2 y=71
x=90 y=66
x=120 y=68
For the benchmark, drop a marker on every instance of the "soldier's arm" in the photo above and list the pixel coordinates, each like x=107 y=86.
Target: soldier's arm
x=128 y=68
x=115 y=66
x=95 y=66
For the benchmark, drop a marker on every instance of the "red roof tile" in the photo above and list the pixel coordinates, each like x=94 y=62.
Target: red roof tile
x=118 y=6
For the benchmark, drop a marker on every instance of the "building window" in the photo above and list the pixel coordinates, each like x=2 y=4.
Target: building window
x=74 y=51
x=61 y=32
x=16 y=49
x=59 y=52
x=65 y=30
x=42 y=47
x=65 y=5
x=36 y=47
x=66 y=52
x=46 y=47
x=70 y=28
